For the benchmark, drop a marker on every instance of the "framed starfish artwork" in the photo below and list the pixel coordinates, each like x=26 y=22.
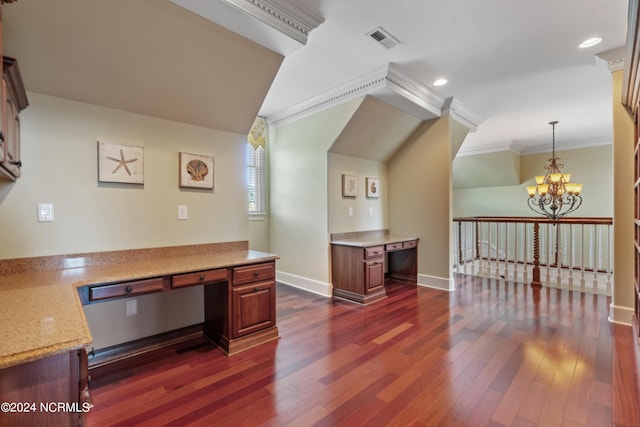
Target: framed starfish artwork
x=120 y=163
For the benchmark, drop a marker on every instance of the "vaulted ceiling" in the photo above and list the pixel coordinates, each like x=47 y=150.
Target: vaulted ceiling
x=145 y=56
x=512 y=65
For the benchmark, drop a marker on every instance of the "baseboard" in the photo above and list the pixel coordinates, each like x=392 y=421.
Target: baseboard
x=304 y=283
x=440 y=283
x=108 y=355
x=621 y=315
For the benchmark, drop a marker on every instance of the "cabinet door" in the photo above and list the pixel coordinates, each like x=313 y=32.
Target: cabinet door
x=254 y=308
x=12 y=137
x=373 y=275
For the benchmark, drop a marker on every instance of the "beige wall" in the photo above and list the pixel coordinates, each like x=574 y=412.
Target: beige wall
x=622 y=306
x=511 y=200
x=368 y=213
x=59 y=152
x=298 y=218
x=419 y=180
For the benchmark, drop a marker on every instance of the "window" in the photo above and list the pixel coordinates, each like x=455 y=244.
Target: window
x=255 y=179
x=256 y=143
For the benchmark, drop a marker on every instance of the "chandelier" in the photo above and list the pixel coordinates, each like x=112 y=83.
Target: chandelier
x=555 y=195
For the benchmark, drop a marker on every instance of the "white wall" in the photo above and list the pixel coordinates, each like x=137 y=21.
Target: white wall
x=420 y=184
x=59 y=154
x=298 y=227
x=367 y=213
x=590 y=166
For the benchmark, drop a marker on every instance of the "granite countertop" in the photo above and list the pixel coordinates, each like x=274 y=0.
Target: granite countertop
x=372 y=240
x=41 y=313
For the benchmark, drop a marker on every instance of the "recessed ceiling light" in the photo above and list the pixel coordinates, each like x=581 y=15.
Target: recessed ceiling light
x=590 y=42
x=440 y=82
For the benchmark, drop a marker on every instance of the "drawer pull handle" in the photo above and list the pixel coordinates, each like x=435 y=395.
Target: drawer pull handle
x=256 y=289
x=128 y=289
x=256 y=274
x=201 y=277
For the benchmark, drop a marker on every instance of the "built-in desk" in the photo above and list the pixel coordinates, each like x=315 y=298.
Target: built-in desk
x=44 y=333
x=361 y=260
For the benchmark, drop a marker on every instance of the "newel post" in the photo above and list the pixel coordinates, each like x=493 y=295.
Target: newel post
x=536 y=255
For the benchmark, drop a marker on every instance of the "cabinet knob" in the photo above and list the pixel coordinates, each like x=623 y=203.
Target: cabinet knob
x=128 y=289
x=202 y=277
x=256 y=274
x=256 y=289
x=18 y=163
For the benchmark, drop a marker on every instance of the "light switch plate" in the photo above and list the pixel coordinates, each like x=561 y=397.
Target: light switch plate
x=183 y=212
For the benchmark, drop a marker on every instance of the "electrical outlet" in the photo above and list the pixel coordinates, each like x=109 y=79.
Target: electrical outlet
x=350 y=211
x=45 y=212
x=132 y=307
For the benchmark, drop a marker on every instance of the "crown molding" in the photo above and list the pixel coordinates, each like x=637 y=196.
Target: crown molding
x=388 y=84
x=491 y=148
x=569 y=145
x=518 y=148
x=614 y=58
x=454 y=108
x=356 y=88
x=283 y=15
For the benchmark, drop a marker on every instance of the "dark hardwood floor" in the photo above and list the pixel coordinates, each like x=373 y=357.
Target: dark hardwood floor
x=491 y=353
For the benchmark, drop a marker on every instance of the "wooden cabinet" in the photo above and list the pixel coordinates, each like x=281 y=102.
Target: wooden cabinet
x=14 y=100
x=253 y=299
x=374 y=276
x=51 y=391
x=360 y=262
x=250 y=319
x=636 y=252
x=358 y=273
x=253 y=308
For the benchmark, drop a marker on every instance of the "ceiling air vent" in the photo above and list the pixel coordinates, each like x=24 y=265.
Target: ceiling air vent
x=384 y=38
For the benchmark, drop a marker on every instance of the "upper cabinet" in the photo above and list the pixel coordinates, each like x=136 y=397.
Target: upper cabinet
x=14 y=100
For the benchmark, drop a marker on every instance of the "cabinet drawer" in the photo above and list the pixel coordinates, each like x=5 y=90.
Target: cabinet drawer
x=199 y=278
x=410 y=244
x=394 y=246
x=373 y=252
x=126 y=289
x=253 y=273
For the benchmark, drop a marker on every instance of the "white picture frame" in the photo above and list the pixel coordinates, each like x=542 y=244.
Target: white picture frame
x=196 y=171
x=373 y=188
x=349 y=185
x=120 y=163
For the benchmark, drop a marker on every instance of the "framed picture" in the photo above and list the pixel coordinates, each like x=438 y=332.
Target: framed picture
x=373 y=187
x=196 y=171
x=349 y=186
x=120 y=163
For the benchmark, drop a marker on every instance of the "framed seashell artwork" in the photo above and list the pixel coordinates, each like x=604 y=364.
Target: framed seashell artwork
x=196 y=171
x=373 y=187
x=120 y=163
